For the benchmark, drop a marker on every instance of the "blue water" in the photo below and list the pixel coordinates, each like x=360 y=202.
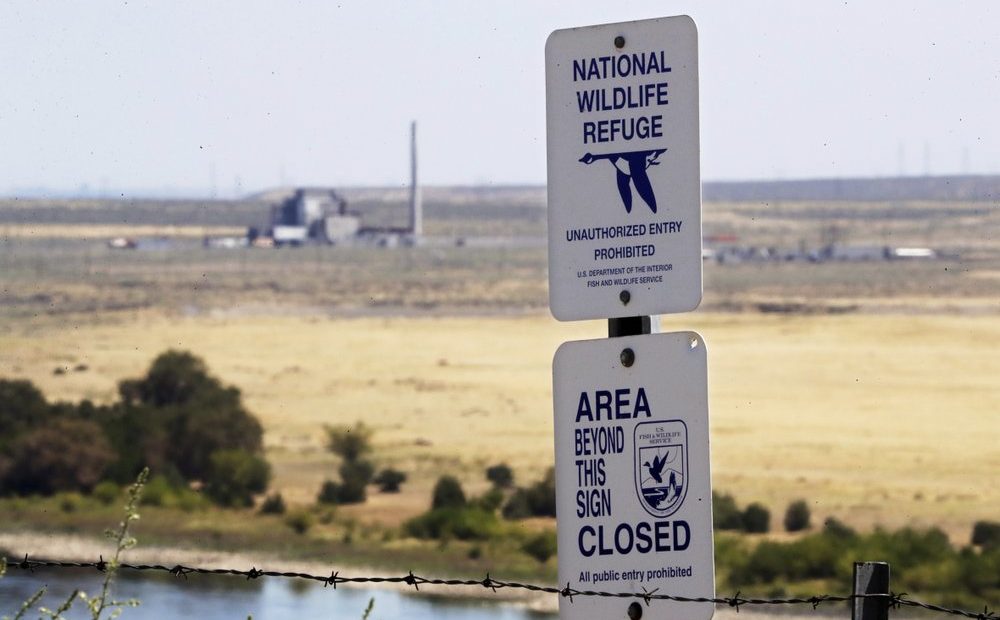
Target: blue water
x=234 y=598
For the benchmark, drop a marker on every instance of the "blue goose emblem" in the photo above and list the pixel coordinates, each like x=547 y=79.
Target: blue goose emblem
x=661 y=466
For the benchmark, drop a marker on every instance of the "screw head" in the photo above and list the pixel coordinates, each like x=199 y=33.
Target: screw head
x=625 y=297
x=619 y=41
x=627 y=357
x=634 y=611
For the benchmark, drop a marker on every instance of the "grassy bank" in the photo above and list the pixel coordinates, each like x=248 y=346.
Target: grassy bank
x=331 y=538
x=923 y=561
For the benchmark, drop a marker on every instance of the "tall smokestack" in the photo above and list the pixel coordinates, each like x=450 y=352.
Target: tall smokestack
x=416 y=206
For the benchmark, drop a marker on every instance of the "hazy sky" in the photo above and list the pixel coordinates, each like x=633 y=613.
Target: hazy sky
x=151 y=97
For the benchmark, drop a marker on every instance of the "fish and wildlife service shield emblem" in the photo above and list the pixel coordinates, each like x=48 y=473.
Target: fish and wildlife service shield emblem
x=661 y=466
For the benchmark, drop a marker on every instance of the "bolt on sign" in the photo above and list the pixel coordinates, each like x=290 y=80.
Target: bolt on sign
x=633 y=480
x=624 y=184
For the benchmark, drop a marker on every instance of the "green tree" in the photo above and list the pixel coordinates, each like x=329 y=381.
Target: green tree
x=351 y=444
x=756 y=519
x=235 y=477
x=64 y=455
x=176 y=417
x=797 y=516
x=725 y=514
x=174 y=378
x=500 y=475
x=22 y=408
x=448 y=493
x=986 y=534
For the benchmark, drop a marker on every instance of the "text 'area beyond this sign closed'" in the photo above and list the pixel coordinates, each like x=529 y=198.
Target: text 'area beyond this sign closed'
x=633 y=479
x=624 y=184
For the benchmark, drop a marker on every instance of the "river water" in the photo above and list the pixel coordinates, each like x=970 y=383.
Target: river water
x=232 y=598
x=206 y=597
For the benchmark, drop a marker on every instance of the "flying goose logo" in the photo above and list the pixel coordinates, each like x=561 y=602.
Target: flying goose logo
x=661 y=459
x=630 y=170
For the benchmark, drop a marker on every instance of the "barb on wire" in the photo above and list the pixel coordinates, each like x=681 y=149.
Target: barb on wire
x=490 y=583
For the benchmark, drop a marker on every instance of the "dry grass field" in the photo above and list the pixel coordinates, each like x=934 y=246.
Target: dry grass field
x=874 y=418
x=867 y=388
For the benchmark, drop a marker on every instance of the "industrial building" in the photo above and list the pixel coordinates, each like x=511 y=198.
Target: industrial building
x=321 y=215
x=312 y=214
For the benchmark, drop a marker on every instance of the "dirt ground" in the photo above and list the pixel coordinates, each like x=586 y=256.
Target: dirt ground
x=874 y=418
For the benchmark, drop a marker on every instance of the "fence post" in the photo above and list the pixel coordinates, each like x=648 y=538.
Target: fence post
x=871 y=578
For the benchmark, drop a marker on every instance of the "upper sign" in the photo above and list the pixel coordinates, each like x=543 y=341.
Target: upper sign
x=633 y=480
x=624 y=180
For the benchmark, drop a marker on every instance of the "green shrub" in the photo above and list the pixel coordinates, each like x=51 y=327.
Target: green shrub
x=756 y=519
x=106 y=492
x=500 y=475
x=980 y=572
x=158 y=492
x=463 y=523
x=235 y=476
x=908 y=547
x=541 y=546
x=349 y=442
x=537 y=500
x=542 y=495
x=448 y=493
x=273 y=504
x=765 y=564
x=797 y=516
x=189 y=500
x=329 y=493
x=161 y=491
x=838 y=529
x=299 y=521
x=388 y=480
x=921 y=560
x=517 y=505
x=354 y=476
x=986 y=534
x=725 y=514
x=70 y=502
x=489 y=501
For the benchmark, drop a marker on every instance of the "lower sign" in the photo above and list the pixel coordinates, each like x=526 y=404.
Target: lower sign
x=633 y=483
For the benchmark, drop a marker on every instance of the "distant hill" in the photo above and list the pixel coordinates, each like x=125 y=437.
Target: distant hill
x=971 y=188
x=945 y=188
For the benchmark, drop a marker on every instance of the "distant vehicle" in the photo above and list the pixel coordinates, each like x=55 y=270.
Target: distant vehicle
x=122 y=243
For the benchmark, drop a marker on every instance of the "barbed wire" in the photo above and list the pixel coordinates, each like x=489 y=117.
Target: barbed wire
x=894 y=600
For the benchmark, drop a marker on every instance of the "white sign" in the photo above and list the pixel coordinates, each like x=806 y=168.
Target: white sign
x=624 y=179
x=633 y=481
